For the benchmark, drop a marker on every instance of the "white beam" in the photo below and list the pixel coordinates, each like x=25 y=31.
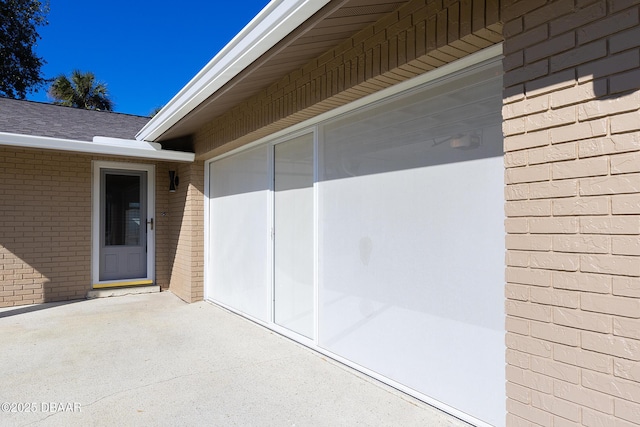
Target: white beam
x=100 y=145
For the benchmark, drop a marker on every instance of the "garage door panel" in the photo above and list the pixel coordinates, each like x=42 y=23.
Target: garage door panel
x=239 y=233
x=411 y=243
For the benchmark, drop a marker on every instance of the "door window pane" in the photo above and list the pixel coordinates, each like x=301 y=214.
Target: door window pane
x=122 y=210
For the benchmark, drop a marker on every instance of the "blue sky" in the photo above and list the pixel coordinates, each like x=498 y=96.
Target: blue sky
x=145 y=51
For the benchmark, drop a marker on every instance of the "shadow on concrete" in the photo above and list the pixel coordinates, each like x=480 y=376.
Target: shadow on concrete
x=14 y=311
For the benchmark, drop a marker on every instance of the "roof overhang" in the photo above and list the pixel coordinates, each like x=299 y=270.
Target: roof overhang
x=100 y=145
x=270 y=26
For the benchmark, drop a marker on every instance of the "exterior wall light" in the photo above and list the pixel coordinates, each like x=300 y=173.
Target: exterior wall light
x=173 y=181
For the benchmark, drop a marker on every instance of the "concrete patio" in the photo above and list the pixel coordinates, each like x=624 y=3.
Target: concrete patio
x=154 y=360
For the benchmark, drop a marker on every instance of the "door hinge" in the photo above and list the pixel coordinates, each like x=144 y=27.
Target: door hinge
x=150 y=222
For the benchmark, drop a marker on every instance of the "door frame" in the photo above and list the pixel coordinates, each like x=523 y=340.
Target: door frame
x=97 y=167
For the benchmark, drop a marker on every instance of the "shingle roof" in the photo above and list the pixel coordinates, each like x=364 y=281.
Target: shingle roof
x=40 y=119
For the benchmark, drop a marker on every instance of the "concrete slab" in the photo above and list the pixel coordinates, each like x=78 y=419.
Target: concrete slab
x=152 y=359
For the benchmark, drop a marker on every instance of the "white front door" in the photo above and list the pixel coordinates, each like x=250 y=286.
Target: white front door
x=123 y=224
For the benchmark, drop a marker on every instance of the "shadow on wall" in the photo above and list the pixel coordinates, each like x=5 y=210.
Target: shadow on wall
x=185 y=233
x=45 y=226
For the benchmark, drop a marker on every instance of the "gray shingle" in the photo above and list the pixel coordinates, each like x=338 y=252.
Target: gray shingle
x=40 y=119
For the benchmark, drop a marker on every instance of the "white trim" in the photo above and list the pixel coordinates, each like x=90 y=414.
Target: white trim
x=484 y=57
x=272 y=24
x=100 y=145
x=97 y=165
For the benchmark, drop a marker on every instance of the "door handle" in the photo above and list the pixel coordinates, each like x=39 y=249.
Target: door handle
x=150 y=223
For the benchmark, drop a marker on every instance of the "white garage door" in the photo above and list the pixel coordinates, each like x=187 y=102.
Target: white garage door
x=399 y=266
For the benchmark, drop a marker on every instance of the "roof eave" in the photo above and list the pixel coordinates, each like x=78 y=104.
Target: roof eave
x=100 y=145
x=270 y=26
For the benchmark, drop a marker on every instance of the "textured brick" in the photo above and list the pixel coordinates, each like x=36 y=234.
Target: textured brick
x=625 y=245
x=553 y=405
x=551 y=84
x=555 y=153
x=517 y=292
x=529 y=311
x=517 y=362
x=614 y=144
x=556 y=334
x=620 y=388
x=562 y=225
x=535 y=415
x=584 y=397
x=625 y=163
x=528 y=242
x=627 y=410
x=583 y=359
x=578 y=94
x=608 y=106
x=581 y=168
x=579 y=18
x=515 y=159
x=582 y=320
x=597 y=283
x=553 y=189
x=608 y=264
x=581 y=244
x=528 y=106
x=517 y=326
x=608 y=26
x=518 y=393
x=608 y=66
x=551 y=118
x=625 y=122
x=527 y=276
x=528 y=208
x=579 y=55
x=529 y=140
x=528 y=174
x=581 y=206
x=516 y=192
x=523 y=40
x=626 y=327
x=550 y=47
x=619 y=306
x=554 y=297
x=555 y=261
x=579 y=131
x=516 y=225
x=598 y=419
x=620 y=184
x=610 y=225
x=527 y=73
x=625 y=348
x=626 y=286
x=624 y=81
x=625 y=204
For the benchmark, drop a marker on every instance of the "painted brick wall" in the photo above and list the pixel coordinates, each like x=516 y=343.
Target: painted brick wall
x=420 y=36
x=572 y=157
x=186 y=239
x=45 y=226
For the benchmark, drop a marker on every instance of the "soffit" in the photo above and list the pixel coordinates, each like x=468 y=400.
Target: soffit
x=329 y=27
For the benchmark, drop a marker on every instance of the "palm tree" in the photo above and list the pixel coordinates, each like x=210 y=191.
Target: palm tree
x=81 y=91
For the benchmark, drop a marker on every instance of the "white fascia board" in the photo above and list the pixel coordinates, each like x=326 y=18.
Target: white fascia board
x=272 y=24
x=100 y=145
